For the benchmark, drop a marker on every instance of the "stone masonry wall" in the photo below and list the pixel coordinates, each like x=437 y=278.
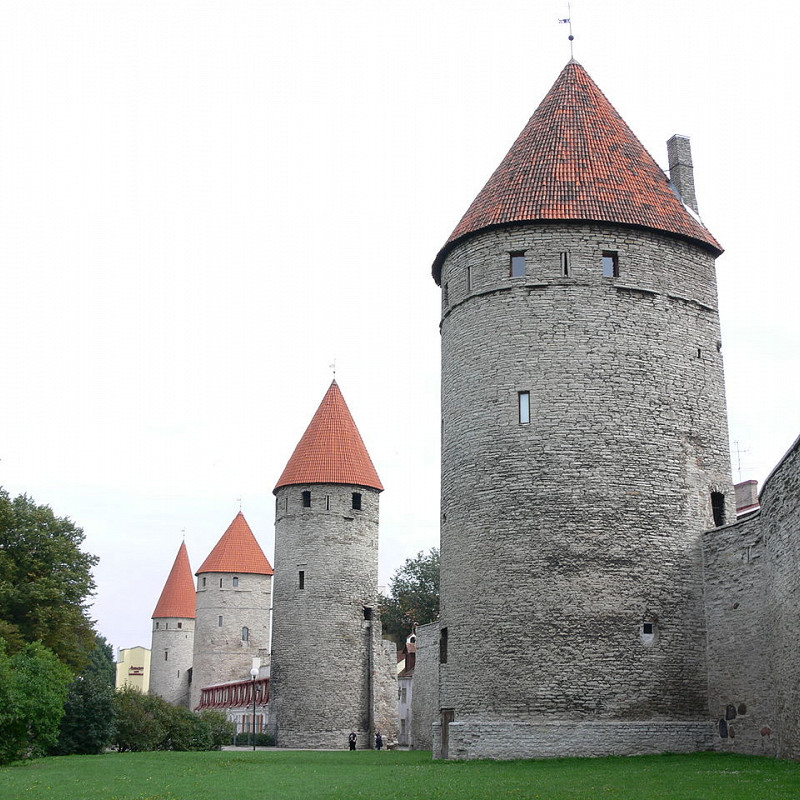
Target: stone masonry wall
x=385 y=688
x=220 y=652
x=171 y=659
x=425 y=697
x=565 y=535
x=323 y=645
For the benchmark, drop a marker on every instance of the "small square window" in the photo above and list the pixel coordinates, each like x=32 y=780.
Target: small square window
x=357 y=501
x=517 y=264
x=647 y=628
x=306 y=499
x=524 y=400
x=610 y=264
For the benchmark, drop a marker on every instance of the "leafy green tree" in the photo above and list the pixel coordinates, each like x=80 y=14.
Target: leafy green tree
x=88 y=722
x=45 y=581
x=33 y=688
x=413 y=596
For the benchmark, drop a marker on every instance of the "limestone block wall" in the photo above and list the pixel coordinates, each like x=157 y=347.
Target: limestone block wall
x=386 y=719
x=326 y=585
x=738 y=612
x=425 y=698
x=564 y=535
x=171 y=656
x=780 y=522
x=228 y=603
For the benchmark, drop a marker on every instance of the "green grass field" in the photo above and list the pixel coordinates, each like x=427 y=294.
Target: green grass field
x=293 y=775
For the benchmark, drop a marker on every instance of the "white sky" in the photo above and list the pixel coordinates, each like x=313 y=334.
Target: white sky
x=202 y=205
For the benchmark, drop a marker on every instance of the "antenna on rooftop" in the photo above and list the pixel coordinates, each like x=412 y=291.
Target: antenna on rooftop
x=568 y=21
x=738 y=450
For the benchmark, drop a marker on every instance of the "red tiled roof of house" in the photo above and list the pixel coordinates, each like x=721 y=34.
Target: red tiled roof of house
x=576 y=159
x=237 y=551
x=331 y=450
x=178 y=599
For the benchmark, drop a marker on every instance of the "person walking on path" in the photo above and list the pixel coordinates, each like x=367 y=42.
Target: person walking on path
x=352 y=739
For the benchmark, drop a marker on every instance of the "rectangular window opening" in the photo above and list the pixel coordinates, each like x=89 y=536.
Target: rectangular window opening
x=180 y=624
x=446 y=294
x=469 y=279
x=357 y=501
x=327 y=502
x=718 y=508
x=517 y=264
x=166 y=655
x=565 y=264
x=306 y=499
x=647 y=628
x=301 y=579
x=367 y=613
x=524 y=399
x=443 y=646
x=219 y=622
x=610 y=264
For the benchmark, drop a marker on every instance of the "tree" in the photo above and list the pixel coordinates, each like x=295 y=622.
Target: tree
x=413 y=596
x=88 y=723
x=33 y=687
x=45 y=581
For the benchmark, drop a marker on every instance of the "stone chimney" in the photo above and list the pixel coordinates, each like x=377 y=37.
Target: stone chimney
x=681 y=171
x=746 y=495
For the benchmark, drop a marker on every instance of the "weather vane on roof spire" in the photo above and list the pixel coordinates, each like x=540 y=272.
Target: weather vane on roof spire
x=240 y=502
x=568 y=20
x=333 y=367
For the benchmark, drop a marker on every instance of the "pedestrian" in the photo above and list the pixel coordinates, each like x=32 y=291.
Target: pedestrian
x=378 y=741
x=352 y=739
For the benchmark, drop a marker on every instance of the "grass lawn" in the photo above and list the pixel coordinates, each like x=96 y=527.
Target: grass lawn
x=293 y=775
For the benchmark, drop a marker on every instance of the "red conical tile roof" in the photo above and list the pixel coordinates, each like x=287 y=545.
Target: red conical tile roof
x=178 y=599
x=237 y=551
x=331 y=450
x=576 y=159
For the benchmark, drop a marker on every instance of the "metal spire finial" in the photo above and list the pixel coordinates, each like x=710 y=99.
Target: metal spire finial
x=333 y=367
x=239 y=499
x=568 y=21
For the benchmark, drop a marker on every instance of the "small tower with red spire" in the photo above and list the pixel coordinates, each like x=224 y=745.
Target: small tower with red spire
x=234 y=588
x=173 y=633
x=331 y=673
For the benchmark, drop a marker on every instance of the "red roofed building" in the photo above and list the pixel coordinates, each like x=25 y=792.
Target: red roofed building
x=173 y=633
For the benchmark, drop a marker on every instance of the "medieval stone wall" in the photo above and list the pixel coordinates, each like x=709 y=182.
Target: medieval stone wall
x=425 y=698
x=565 y=535
x=226 y=604
x=171 y=659
x=326 y=575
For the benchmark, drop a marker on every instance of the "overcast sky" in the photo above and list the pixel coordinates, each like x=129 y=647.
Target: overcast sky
x=203 y=205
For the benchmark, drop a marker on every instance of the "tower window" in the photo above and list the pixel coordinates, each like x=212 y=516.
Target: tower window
x=446 y=294
x=718 y=508
x=357 y=501
x=204 y=582
x=367 y=613
x=517 y=264
x=565 y=264
x=219 y=622
x=220 y=583
x=327 y=502
x=306 y=499
x=469 y=278
x=166 y=655
x=235 y=582
x=524 y=401
x=245 y=634
x=301 y=579
x=443 y=646
x=180 y=624
x=156 y=626
x=610 y=264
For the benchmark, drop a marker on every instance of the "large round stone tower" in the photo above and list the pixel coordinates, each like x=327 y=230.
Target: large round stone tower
x=584 y=445
x=234 y=590
x=326 y=676
x=173 y=634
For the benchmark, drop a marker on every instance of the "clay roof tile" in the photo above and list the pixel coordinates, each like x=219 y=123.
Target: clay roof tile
x=331 y=450
x=237 y=551
x=178 y=598
x=577 y=159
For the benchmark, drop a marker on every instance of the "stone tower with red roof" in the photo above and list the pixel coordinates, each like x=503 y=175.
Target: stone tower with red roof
x=331 y=671
x=173 y=633
x=234 y=589
x=584 y=446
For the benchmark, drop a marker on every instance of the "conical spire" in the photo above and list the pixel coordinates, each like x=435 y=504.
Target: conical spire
x=237 y=551
x=331 y=450
x=178 y=599
x=576 y=159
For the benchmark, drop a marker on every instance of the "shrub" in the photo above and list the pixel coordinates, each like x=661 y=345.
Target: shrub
x=262 y=740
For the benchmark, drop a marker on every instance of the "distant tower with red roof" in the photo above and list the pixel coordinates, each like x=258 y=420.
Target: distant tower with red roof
x=584 y=445
x=234 y=589
x=173 y=633
x=331 y=672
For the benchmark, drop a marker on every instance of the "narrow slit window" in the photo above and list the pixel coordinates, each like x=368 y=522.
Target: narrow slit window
x=156 y=626
x=166 y=655
x=524 y=401
x=219 y=622
x=327 y=502
x=204 y=583
x=446 y=294
x=443 y=646
x=718 y=508
x=301 y=579
x=245 y=634
x=306 y=499
x=220 y=583
x=610 y=264
x=357 y=501
x=517 y=264
x=565 y=265
x=469 y=279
